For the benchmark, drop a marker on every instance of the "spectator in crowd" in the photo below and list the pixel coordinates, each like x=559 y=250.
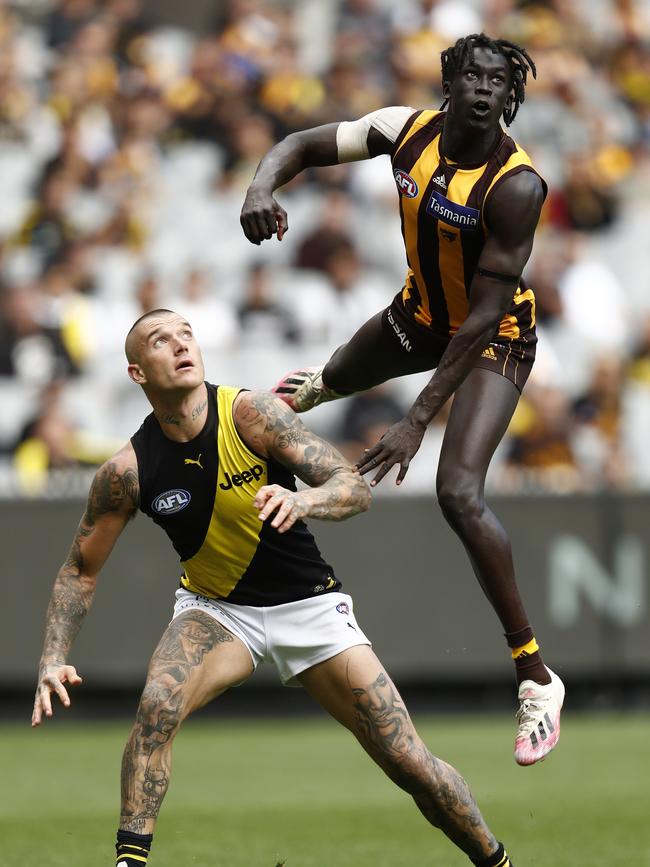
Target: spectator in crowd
x=331 y=233
x=598 y=414
x=50 y=441
x=540 y=444
x=215 y=323
x=366 y=418
x=262 y=320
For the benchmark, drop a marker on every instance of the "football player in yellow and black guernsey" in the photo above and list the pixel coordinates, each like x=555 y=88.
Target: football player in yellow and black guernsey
x=469 y=200
x=215 y=467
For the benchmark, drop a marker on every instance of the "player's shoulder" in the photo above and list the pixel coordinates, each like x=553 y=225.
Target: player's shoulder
x=115 y=486
x=122 y=460
x=261 y=417
x=259 y=408
x=522 y=186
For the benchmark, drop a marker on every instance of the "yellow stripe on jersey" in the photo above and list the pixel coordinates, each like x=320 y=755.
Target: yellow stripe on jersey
x=234 y=532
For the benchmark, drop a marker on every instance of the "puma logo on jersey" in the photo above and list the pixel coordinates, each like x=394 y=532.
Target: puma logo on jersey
x=253 y=473
x=197 y=462
x=401 y=335
x=440 y=180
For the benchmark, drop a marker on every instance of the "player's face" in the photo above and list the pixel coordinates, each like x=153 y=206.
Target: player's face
x=480 y=90
x=169 y=358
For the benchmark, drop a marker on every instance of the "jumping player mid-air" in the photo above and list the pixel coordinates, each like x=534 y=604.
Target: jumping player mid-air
x=215 y=467
x=470 y=200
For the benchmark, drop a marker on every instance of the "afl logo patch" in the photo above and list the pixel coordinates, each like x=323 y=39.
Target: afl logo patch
x=405 y=184
x=171 y=501
x=343 y=608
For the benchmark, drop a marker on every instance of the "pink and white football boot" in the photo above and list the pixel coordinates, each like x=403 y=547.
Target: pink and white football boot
x=539 y=719
x=303 y=389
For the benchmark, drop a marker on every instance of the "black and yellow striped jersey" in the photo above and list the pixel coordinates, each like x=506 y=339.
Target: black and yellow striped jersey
x=201 y=493
x=442 y=207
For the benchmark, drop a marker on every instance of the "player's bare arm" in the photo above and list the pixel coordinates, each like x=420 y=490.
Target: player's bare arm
x=335 y=492
x=512 y=215
x=261 y=215
x=113 y=499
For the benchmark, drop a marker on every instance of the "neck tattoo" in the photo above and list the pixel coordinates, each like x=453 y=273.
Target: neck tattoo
x=198 y=409
x=196 y=412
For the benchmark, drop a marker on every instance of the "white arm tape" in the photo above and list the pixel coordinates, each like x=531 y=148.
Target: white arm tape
x=352 y=135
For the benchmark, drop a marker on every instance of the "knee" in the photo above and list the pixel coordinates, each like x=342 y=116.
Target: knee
x=459 y=497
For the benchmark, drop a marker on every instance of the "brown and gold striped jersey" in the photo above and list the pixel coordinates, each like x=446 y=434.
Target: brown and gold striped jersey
x=442 y=207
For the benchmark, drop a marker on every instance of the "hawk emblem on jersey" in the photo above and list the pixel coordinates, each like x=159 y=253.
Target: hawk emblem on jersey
x=405 y=184
x=171 y=501
x=453 y=214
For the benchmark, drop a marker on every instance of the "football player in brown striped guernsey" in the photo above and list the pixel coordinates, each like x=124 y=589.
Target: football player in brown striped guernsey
x=470 y=200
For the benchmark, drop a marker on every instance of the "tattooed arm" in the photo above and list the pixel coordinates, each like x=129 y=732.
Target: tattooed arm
x=336 y=491
x=112 y=501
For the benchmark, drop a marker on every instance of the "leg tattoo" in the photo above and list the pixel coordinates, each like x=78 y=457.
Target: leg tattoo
x=146 y=763
x=385 y=729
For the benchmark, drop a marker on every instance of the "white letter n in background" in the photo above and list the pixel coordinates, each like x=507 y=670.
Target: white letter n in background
x=574 y=569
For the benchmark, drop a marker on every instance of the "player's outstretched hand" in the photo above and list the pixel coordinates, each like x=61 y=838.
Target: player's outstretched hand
x=397 y=446
x=51 y=679
x=262 y=217
x=289 y=506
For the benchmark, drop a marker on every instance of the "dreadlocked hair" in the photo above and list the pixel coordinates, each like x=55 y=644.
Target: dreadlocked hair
x=519 y=61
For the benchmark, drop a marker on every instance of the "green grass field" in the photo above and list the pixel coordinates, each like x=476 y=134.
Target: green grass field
x=251 y=794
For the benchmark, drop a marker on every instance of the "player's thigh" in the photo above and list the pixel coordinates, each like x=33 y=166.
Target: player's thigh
x=356 y=690
x=196 y=659
x=479 y=417
x=373 y=355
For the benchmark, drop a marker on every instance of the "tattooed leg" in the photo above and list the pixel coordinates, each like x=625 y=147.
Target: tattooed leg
x=355 y=689
x=196 y=660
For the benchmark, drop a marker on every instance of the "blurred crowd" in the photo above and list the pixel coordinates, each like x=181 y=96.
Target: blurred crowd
x=128 y=136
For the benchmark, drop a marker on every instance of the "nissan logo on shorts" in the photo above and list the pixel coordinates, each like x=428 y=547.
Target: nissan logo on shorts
x=405 y=184
x=171 y=501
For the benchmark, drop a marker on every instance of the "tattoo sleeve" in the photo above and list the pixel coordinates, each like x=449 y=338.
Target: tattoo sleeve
x=146 y=763
x=337 y=491
x=114 y=492
x=383 y=726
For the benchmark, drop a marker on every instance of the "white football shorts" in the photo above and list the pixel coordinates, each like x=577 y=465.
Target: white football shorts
x=293 y=636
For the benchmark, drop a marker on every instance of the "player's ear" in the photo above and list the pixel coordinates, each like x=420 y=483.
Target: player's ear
x=136 y=373
x=445 y=89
